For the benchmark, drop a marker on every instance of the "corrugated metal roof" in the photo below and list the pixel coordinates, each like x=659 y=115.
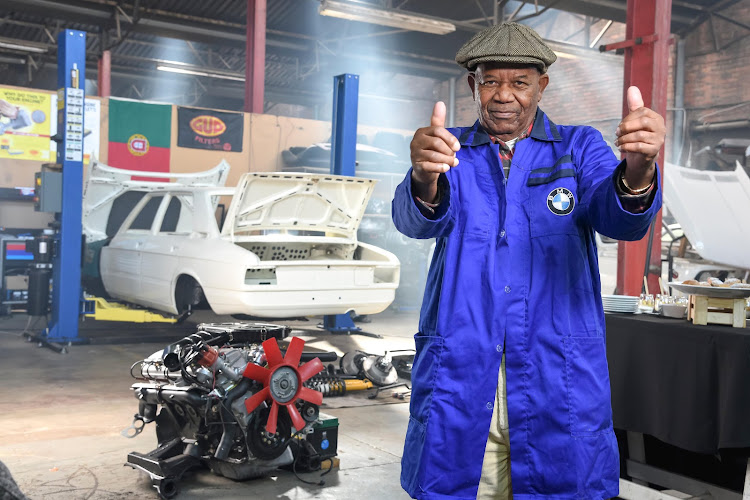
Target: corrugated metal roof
x=303 y=48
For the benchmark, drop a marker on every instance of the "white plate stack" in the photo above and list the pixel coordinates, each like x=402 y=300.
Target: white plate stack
x=620 y=304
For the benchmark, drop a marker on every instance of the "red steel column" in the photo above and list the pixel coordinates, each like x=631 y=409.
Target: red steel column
x=255 y=56
x=104 y=75
x=647 y=67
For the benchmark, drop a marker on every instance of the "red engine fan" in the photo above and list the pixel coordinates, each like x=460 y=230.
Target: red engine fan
x=282 y=382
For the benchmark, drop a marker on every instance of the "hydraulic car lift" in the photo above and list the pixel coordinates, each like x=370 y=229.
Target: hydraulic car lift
x=104 y=310
x=66 y=269
x=343 y=162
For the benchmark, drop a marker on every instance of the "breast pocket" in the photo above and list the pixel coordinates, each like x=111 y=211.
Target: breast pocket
x=480 y=206
x=553 y=200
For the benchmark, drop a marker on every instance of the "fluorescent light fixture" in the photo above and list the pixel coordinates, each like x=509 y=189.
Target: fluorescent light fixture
x=22 y=45
x=385 y=17
x=186 y=69
x=565 y=55
x=387 y=98
x=12 y=60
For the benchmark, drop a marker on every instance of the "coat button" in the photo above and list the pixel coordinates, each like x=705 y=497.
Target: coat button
x=502 y=233
x=489 y=405
x=499 y=348
x=507 y=289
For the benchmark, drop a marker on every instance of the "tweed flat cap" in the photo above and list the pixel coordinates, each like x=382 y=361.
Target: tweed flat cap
x=509 y=43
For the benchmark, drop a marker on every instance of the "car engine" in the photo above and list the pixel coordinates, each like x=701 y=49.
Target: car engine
x=228 y=399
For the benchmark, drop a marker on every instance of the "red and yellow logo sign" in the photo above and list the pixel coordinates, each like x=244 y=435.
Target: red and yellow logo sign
x=207 y=126
x=138 y=145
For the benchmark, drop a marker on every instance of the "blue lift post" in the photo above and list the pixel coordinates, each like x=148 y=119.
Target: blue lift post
x=343 y=162
x=66 y=277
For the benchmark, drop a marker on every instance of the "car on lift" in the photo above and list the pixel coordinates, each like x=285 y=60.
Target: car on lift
x=287 y=246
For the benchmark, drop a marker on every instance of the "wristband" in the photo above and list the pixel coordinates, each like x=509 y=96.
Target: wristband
x=629 y=190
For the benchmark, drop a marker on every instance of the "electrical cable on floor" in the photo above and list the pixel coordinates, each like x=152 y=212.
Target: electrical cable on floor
x=25 y=330
x=330 y=468
x=11 y=333
x=313 y=483
x=321 y=481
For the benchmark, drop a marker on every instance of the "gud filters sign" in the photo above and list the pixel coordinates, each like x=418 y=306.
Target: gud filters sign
x=208 y=126
x=205 y=129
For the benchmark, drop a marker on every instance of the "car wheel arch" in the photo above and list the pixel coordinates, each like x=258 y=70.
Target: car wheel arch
x=183 y=285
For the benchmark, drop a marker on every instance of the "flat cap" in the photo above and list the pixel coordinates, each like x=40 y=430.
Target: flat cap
x=506 y=43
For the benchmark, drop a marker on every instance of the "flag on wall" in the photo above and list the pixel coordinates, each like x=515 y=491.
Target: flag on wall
x=139 y=135
x=206 y=129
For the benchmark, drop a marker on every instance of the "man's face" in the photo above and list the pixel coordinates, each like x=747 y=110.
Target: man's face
x=506 y=97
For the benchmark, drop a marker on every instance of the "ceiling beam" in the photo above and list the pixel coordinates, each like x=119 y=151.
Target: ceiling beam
x=211 y=33
x=103 y=15
x=608 y=9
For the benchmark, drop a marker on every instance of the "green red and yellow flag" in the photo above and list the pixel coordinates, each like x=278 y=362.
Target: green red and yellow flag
x=139 y=135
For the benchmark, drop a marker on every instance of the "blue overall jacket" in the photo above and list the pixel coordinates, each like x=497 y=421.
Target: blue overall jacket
x=515 y=270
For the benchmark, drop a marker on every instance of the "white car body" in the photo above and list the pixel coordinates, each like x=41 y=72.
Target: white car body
x=288 y=246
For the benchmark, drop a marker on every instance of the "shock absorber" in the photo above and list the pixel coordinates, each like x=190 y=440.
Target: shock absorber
x=329 y=386
x=334 y=386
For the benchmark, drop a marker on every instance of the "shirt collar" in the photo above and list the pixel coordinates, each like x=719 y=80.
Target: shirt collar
x=543 y=129
x=510 y=147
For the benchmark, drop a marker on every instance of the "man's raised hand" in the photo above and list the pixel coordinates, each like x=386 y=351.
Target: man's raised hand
x=433 y=152
x=640 y=136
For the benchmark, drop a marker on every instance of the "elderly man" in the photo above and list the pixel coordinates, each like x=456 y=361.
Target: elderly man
x=513 y=294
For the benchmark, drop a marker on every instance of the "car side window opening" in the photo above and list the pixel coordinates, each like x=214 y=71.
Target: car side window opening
x=179 y=215
x=122 y=206
x=220 y=214
x=145 y=218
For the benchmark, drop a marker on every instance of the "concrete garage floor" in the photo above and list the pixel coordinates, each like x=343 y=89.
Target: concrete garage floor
x=61 y=417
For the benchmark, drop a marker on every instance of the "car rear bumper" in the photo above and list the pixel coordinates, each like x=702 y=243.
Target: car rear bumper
x=274 y=302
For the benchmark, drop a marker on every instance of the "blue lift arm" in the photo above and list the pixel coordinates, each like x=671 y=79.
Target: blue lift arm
x=66 y=278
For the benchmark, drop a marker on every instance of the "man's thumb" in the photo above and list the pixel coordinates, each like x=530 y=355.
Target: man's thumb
x=635 y=99
x=438 y=115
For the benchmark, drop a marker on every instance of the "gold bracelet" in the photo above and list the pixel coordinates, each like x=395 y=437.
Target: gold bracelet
x=630 y=190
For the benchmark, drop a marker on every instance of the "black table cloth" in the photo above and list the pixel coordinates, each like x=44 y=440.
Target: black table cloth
x=687 y=385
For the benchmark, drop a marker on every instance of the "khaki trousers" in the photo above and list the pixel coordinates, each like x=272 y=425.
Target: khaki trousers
x=495 y=481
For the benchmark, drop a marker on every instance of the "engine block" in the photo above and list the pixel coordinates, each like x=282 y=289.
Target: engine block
x=225 y=398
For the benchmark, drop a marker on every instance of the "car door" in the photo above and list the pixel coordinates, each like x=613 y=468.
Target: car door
x=121 y=260
x=160 y=254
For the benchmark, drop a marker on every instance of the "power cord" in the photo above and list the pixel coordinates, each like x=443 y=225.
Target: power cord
x=321 y=481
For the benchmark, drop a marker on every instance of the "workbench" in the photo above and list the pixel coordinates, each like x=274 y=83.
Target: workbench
x=687 y=385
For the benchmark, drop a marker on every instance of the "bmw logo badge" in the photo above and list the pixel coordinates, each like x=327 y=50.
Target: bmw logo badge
x=561 y=201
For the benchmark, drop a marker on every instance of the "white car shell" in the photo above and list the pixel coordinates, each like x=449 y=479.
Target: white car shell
x=288 y=248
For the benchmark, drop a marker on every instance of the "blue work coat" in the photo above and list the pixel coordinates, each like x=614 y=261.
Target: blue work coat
x=515 y=269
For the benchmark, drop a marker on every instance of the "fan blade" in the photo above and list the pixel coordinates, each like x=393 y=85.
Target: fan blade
x=294 y=352
x=311 y=368
x=273 y=417
x=256 y=399
x=297 y=420
x=257 y=373
x=273 y=353
x=310 y=395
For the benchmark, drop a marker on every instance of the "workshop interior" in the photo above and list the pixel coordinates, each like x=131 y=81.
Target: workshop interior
x=203 y=293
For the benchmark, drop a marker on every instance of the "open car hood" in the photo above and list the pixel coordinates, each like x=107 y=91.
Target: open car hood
x=712 y=209
x=299 y=202
x=105 y=185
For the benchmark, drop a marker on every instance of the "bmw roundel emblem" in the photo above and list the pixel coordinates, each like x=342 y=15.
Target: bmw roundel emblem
x=561 y=201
